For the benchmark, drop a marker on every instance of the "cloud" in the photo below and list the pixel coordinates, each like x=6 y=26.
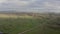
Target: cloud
x=31 y=5
x=1 y=1
x=15 y=4
x=52 y=6
x=18 y=2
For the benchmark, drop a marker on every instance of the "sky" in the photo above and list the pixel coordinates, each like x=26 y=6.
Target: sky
x=30 y=5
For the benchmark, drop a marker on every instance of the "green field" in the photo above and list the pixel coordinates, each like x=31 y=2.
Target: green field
x=27 y=26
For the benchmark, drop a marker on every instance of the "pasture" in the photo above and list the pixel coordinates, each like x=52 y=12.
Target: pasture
x=26 y=25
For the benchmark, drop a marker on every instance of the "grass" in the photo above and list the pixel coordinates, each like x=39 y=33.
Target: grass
x=15 y=26
x=14 y=16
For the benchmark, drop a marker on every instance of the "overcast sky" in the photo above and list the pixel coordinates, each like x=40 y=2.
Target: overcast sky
x=30 y=5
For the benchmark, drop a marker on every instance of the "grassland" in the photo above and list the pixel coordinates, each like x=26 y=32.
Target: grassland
x=12 y=25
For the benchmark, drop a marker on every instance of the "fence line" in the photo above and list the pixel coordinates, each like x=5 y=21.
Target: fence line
x=29 y=29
